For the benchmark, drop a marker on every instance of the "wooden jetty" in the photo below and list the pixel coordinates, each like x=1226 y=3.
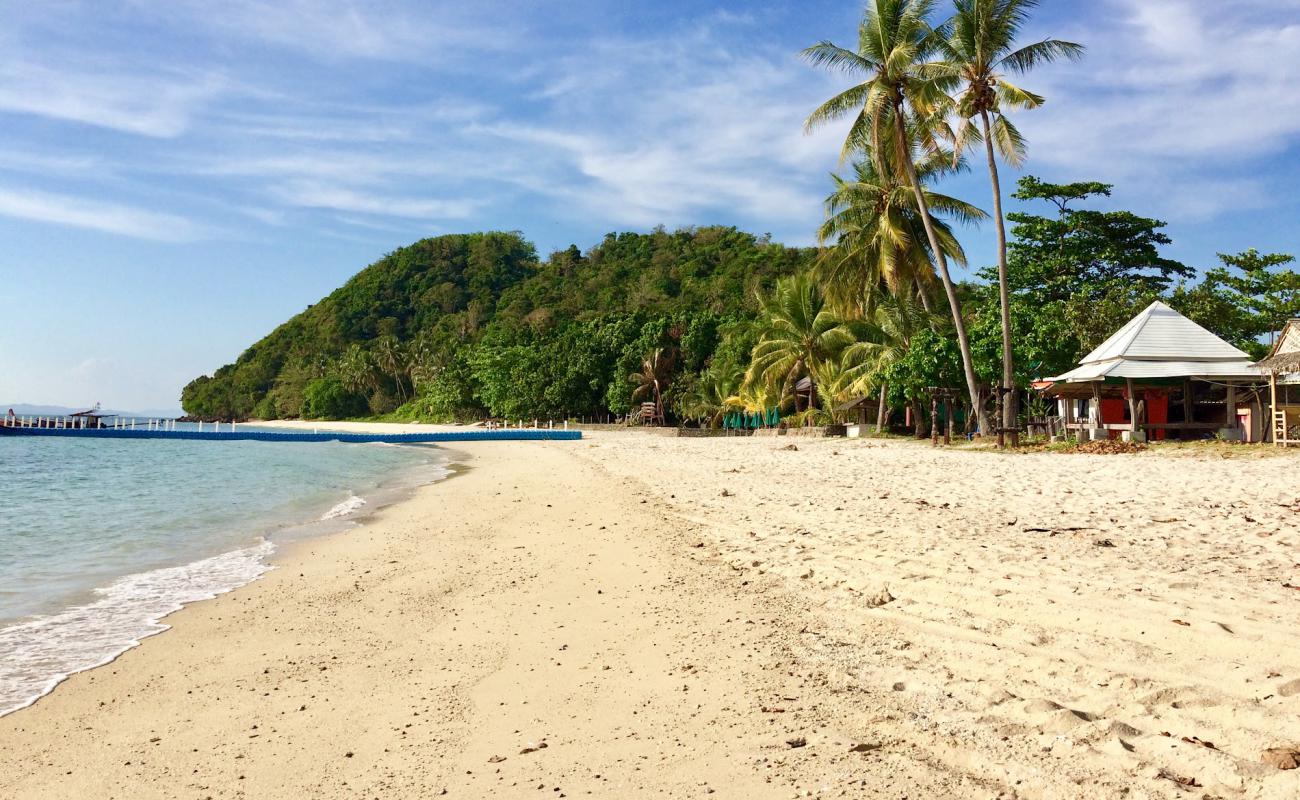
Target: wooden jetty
x=79 y=427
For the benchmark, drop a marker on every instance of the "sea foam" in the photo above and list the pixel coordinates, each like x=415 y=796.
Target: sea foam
x=37 y=654
x=353 y=503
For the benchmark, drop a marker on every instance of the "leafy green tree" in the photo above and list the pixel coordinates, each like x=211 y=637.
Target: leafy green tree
x=902 y=93
x=1074 y=279
x=980 y=49
x=1245 y=299
x=1082 y=251
x=328 y=398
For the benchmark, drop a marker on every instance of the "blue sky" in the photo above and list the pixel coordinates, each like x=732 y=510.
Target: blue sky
x=177 y=178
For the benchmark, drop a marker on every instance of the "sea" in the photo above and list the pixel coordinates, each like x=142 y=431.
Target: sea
x=102 y=539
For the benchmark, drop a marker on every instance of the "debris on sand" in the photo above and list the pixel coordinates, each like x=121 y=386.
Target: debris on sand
x=1281 y=757
x=880 y=598
x=797 y=741
x=1107 y=447
x=1178 y=779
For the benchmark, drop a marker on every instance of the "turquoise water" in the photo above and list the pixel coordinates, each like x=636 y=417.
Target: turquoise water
x=100 y=539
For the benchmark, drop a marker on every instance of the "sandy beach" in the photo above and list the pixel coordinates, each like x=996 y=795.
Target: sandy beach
x=643 y=616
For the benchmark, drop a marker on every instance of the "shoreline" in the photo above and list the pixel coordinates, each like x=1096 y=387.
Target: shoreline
x=635 y=615
x=133 y=607
x=216 y=659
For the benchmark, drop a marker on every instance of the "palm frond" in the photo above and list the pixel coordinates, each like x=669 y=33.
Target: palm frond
x=1038 y=53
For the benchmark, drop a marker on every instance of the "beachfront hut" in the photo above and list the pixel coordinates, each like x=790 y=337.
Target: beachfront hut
x=861 y=410
x=1282 y=366
x=1161 y=375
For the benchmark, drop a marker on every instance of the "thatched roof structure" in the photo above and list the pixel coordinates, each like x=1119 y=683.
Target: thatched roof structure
x=1284 y=358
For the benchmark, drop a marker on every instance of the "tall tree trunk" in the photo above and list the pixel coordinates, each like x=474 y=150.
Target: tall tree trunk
x=1009 y=408
x=963 y=342
x=924 y=295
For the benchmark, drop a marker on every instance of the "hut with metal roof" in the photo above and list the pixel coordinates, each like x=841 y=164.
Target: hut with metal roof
x=1282 y=365
x=1161 y=375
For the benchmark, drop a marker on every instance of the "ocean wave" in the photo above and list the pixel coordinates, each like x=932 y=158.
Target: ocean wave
x=38 y=654
x=353 y=503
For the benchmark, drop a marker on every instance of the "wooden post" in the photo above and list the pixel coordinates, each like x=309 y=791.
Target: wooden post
x=1230 y=408
x=1132 y=408
x=947 y=412
x=1189 y=407
x=934 y=419
x=997 y=414
x=1095 y=409
x=880 y=410
x=1272 y=409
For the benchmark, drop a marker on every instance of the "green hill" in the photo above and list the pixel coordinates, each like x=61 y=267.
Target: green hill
x=469 y=325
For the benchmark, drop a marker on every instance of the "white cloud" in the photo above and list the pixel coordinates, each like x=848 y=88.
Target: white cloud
x=308 y=195
x=106 y=217
x=339 y=29
x=147 y=104
x=1171 y=89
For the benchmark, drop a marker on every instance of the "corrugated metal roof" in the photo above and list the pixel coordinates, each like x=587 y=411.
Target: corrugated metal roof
x=1159 y=332
x=1161 y=343
x=1126 y=368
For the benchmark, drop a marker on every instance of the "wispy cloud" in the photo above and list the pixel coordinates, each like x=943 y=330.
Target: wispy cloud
x=153 y=105
x=1175 y=92
x=307 y=195
x=107 y=217
x=343 y=29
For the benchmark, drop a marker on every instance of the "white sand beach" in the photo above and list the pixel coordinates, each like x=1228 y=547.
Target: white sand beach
x=636 y=615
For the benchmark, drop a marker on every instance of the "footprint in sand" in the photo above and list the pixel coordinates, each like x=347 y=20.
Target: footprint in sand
x=1182 y=697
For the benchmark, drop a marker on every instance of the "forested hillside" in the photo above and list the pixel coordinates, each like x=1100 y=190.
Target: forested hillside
x=469 y=325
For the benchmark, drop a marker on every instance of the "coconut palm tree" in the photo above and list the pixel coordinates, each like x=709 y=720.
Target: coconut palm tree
x=656 y=370
x=356 y=370
x=799 y=334
x=878 y=236
x=902 y=92
x=898 y=320
x=980 y=48
x=707 y=400
x=390 y=357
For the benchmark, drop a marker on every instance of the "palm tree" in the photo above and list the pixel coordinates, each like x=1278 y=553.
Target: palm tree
x=878 y=236
x=902 y=93
x=356 y=370
x=708 y=398
x=799 y=334
x=980 y=47
x=899 y=320
x=656 y=369
x=390 y=356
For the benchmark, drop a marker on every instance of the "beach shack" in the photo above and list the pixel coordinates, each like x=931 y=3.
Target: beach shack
x=1161 y=376
x=1282 y=366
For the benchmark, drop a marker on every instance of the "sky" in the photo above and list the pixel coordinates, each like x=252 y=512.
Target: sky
x=177 y=178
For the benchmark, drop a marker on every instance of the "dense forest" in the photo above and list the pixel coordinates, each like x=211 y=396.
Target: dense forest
x=472 y=325
x=708 y=322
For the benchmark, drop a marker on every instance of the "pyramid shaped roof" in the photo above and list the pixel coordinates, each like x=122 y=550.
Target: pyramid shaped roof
x=1161 y=343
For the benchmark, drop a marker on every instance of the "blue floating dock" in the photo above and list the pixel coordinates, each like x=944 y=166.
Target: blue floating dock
x=500 y=435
